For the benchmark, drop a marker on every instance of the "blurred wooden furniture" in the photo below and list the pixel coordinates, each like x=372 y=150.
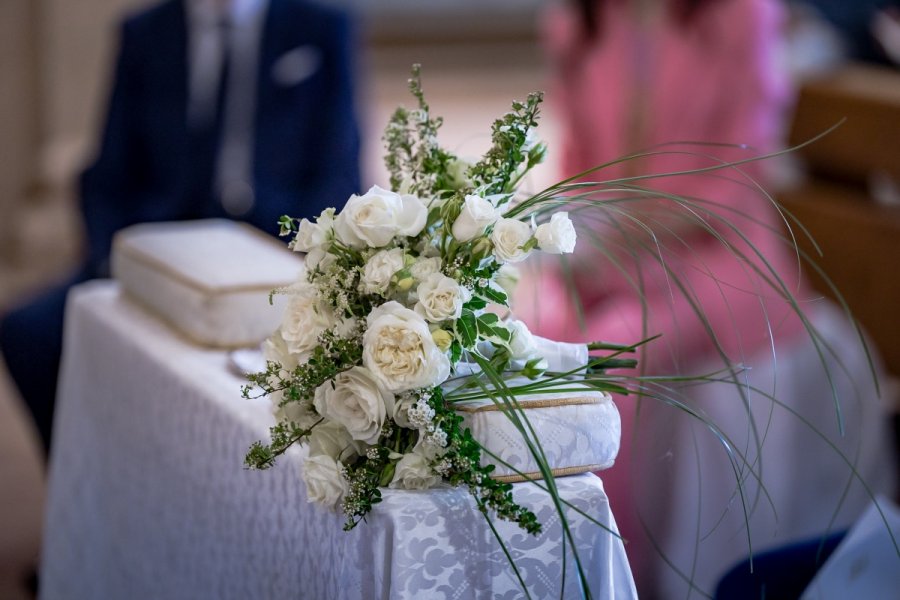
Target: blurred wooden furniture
x=858 y=236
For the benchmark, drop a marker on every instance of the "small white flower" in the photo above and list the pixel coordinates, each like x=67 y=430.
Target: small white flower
x=558 y=236
x=305 y=318
x=346 y=328
x=509 y=236
x=399 y=351
x=374 y=218
x=325 y=484
x=309 y=236
x=441 y=298
x=457 y=170
x=402 y=405
x=424 y=267
x=477 y=214
x=355 y=400
x=420 y=415
x=413 y=473
x=432 y=443
x=379 y=269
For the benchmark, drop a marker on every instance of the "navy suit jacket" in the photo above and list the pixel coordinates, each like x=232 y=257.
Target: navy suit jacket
x=306 y=148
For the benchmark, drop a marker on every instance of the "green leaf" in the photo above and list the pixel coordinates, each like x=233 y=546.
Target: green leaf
x=488 y=319
x=494 y=295
x=467 y=329
x=476 y=303
x=455 y=352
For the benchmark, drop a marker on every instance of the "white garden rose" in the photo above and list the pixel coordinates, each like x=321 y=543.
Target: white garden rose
x=355 y=400
x=332 y=439
x=374 y=218
x=325 y=484
x=522 y=345
x=309 y=236
x=441 y=298
x=509 y=236
x=558 y=236
x=424 y=267
x=477 y=214
x=304 y=318
x=275 y=349
x=399 y=351
x=413 y=473
x=379 y=269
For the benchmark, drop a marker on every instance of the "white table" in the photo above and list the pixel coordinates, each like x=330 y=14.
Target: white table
x=148 y=497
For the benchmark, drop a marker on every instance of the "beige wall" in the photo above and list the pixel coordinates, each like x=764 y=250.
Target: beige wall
x=55 y=60
x=78 y=42
x=18 y=115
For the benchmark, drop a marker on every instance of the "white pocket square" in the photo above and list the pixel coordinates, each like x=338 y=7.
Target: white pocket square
x=296 y=65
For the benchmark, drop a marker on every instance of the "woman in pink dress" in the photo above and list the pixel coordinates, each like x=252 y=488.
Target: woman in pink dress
x=638 y=75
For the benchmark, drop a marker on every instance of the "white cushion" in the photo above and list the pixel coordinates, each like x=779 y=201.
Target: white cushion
x=210 y=279
x=578 y=431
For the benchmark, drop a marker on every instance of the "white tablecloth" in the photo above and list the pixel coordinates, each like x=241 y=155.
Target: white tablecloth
x=148 y=497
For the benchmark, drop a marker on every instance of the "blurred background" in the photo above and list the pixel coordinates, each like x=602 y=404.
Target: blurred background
x=478 y=55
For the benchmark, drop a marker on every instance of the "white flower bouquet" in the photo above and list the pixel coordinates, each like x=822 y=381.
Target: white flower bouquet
x=394 y=302
x=403 y=311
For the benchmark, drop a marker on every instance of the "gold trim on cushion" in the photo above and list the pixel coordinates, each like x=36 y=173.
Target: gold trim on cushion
x=561 y=472
x=545 y=403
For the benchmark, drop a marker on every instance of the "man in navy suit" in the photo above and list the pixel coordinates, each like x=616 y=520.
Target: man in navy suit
x=220 y=108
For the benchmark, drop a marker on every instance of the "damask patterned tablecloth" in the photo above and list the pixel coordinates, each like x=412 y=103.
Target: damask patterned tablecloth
x=148 y=497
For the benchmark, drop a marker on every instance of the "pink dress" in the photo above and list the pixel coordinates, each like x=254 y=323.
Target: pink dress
x=635 y=87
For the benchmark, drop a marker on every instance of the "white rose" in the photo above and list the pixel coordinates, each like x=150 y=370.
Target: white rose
x=399 y=351
x=325 y=220
x=413 y=473
x=299 y=412
x=304 y=319
x=508 y=278
x=319 y=258
x=275 y=349
x=424 y=267
x=522 y=345
x=379 y=269
x=558 y=236
x=509 y=236
x=477 y=214
x=325 y=484
x=374 y=218
x=309 y=236
x=332 y=439
x=441 y=298
x=356 y=401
